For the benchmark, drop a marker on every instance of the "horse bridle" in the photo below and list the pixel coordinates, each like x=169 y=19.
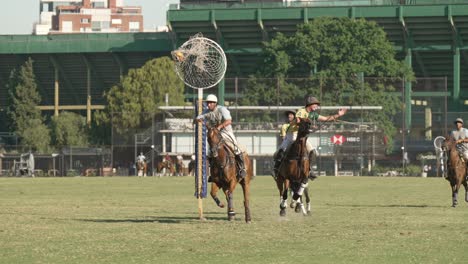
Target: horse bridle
x=219 y=145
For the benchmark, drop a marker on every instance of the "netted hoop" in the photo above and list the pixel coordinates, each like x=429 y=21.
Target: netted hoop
x=200 y=62
x=438 y=143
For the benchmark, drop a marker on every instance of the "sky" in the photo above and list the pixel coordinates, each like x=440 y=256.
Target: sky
x=18 y=16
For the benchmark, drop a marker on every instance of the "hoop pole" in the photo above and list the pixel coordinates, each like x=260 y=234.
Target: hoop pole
x=200 y=156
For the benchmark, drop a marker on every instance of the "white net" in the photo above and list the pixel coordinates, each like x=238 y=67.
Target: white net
x=200 y=62
x=438 y=141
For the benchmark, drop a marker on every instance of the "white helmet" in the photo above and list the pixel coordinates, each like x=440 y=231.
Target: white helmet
x=211 y=98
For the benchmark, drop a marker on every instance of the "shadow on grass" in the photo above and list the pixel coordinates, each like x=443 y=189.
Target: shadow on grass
x=388 y=205
x=162 y=219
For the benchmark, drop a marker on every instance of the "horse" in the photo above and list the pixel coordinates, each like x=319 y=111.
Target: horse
x=191 y=168
x=169 y=166
x=294 y=173
x=223 y=170
x=456 y=169
x=296 y=205
x=180 y=168
x=142 y=168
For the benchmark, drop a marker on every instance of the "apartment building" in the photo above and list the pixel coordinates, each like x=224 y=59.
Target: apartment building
x=87 y=16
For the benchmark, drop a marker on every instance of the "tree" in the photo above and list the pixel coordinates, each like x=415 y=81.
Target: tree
x=329 y=54
x=23 y=115
x=69 y=129
x=139 y=94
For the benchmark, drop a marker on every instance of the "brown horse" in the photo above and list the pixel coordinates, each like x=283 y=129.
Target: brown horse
x=191 y=168
x=169 y=166
x=180 y=168
x=142 y=168
x=294 y=169
x=456 y=169
x=224 y=171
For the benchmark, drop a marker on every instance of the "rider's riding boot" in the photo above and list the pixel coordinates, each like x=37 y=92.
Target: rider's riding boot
x=312 y=174
x=240 y=162
x=278 y=158
x=211 y=162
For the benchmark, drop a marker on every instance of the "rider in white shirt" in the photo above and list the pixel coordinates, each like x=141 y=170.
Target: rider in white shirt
x=460 y=134
x=141 y=157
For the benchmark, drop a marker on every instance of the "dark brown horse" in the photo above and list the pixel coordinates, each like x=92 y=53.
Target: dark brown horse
x=191 y=168
x=224 y=174
x=180 y=168
x=294 y=170
x=456 y=169
x=169 y=166
x=142 y=168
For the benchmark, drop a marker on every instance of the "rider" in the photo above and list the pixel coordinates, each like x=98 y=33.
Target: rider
x=309 y=111
x=460 y=134
x=141 y=157
x=220 y=117
x=290 y=114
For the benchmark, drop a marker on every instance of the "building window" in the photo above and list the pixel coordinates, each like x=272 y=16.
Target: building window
x=134 y=26
x=85 y=21
x=96 y=25
x=117 y=21
x=99 y=4
x=105 y=24
x=67 y=26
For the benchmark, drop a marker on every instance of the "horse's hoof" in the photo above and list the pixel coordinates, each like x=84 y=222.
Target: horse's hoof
x=297 y=209
x=231 y=215
x=282 y=212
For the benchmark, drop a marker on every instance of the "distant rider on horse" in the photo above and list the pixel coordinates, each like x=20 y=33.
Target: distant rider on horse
x=141 y=158
x=460 y=135
x=310 y=112
x=220 y=117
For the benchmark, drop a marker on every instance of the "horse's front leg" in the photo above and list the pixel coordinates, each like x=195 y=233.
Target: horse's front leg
x=306 y=194
x=297 y=197
x=284 y=198
x=466 y=190
x=455 y=187
x=246 y=190
x=230 y=200
x=214 y=192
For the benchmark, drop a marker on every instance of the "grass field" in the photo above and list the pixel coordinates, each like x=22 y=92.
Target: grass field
x=155 y=220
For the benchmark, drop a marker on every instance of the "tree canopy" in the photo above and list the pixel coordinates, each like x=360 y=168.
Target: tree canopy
x=23 y=115
x=69 y=129
x=139 y=94
x=325 y=58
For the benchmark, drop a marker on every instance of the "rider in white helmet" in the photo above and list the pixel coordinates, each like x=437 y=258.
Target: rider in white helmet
x=460 y=134
x=220 y=117
x=141 y=157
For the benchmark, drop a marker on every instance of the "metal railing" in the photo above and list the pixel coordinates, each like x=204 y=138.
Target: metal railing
x=203 y=4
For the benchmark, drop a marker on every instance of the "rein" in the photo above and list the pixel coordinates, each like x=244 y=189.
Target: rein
x=219 y=145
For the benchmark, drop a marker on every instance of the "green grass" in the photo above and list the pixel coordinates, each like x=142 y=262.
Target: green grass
x=155 y=220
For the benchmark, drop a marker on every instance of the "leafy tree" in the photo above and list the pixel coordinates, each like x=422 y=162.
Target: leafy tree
x=23 y=115
x=69 y=129
x=36 y=135
x=330 y=54
x=139 y=94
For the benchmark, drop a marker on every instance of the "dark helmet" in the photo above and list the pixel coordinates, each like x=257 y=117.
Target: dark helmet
x=311 y=100
x=287 y=112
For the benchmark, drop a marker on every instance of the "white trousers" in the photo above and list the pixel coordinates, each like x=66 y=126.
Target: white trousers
x=289 y=139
